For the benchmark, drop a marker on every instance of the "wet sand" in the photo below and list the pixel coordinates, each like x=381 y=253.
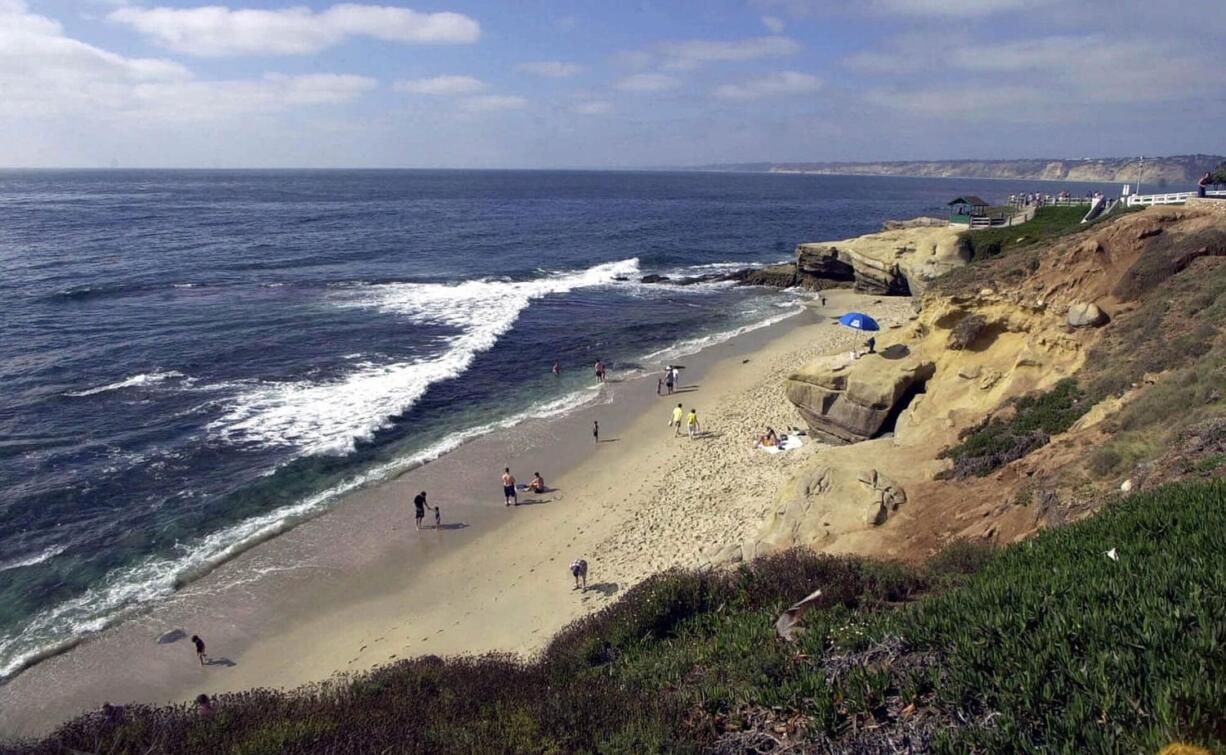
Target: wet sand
x=358 y=586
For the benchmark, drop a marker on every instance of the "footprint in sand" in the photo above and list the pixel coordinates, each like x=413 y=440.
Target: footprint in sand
x=363 y=648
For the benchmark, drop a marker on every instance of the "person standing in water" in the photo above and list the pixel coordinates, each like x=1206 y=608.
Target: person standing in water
x=508 y=487
x=557 y=369
x=595 y=431
x=599 y=369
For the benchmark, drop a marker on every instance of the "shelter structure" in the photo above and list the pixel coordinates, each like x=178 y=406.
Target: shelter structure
x=964 y=208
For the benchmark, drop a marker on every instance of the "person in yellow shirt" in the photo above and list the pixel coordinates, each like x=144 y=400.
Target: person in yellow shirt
x=691 y=423
x=675 y=422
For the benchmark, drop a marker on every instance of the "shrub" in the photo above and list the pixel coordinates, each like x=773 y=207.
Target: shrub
x=1036 y=418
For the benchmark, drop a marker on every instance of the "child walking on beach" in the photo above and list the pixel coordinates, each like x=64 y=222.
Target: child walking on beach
x=199 y=643
x=675 y=422
x=578 y=569
x=596 y=431
x=691 y=423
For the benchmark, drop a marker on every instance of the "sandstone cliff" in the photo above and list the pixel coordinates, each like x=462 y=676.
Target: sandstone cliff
x=1176 y=170
x=893 y=261
x=987 y=334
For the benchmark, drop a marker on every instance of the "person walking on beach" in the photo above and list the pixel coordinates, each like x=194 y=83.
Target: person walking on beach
x=199 y=643
x=419 y=503
x=691 y=423
x=675 y=422
x=578 y=569
x=676 y=378
x=668 y=380
x=438 y=518
x=508 y=487
x=659 y=386
x=595 y=431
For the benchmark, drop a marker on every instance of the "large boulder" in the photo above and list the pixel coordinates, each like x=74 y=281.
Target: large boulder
x=849 y=401
x=1085 y=314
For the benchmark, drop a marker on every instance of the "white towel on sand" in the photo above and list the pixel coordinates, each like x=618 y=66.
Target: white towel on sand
x=789 y=443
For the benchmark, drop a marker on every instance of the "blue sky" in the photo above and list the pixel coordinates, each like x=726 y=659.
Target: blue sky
x=529 y=83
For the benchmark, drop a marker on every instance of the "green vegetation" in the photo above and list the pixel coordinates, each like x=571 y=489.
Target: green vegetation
x=1175 y=332
x=1046 y=646
x=1048 y=223
x=1036 y=417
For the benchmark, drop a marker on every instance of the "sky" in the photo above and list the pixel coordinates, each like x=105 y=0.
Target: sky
x=603 y=84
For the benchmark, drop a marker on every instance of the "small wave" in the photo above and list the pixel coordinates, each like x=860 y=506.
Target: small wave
x=694 y=345
x=148 y=378
x=130 y=589
x=332 y=417
x=37 y=558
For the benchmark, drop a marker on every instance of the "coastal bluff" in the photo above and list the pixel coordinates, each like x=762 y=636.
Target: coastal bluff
x=900 y=260
x=983 y=337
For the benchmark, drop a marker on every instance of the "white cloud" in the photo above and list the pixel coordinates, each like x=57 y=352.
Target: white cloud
x=919 y=8
x=771 y=85
x=440 y=85
x=595 y=107
x=218 y=31
x=554 y=69
x=45 y=73
x=492 y=102
x=648 y=82
x=774 y=24
x=691 y=53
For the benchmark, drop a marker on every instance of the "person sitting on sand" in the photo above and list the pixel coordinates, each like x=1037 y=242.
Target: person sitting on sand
x=769 y=439
x=199 y=643
x=204 y=706
x=508 y=487
x=537 y=484
x=578 y=569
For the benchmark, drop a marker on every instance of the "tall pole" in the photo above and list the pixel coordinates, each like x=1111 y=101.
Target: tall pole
x=1140 y=172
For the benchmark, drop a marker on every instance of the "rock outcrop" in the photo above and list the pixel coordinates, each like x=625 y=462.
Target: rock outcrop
x=899 y=261
x=849 y=400
x=1085 y=314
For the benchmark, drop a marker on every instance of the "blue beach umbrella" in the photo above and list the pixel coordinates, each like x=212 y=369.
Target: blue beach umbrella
x=859 y=321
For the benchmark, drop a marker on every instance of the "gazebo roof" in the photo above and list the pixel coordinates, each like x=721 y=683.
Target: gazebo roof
x=970 y=199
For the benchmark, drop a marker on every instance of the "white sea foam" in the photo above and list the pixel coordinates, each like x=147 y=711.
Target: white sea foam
x=130 y=588
x=131 y=382
x=331 y=417
x=695 y=345
x=37 y=558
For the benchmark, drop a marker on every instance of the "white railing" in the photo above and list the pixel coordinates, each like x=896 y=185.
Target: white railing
x=1179 y=197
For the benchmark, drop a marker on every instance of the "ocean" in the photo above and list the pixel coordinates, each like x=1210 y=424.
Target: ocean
x=194 y=361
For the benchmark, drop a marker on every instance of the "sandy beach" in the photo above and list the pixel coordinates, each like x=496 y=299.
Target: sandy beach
x=358 y=587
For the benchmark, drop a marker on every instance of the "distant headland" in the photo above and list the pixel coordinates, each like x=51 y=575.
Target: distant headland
x=1174 y=169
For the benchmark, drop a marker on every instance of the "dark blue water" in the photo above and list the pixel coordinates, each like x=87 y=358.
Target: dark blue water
x=192 y=360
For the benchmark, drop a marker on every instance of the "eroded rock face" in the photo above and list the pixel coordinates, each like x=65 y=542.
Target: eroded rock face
x=897 y=261
x=851 y=400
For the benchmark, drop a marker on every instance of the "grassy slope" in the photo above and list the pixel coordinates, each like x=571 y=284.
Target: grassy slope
x=1047 y=645
x=1048 y=223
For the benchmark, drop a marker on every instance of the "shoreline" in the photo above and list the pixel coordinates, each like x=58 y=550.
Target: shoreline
x=356 y=587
